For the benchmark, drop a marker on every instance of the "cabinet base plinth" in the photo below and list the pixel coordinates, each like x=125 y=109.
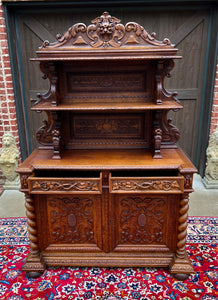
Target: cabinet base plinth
x=181 y=268
x=34 y=266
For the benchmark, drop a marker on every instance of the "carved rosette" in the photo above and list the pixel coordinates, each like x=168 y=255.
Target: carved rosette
x=107 y=31
x=182 y=229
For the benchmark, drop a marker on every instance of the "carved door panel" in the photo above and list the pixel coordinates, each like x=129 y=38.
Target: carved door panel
x=142 y=221
x=73 y=221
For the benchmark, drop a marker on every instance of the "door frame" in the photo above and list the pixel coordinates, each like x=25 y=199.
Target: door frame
x=11 y=9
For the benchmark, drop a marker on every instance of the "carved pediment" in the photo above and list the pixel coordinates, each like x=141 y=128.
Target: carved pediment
x=106 y=32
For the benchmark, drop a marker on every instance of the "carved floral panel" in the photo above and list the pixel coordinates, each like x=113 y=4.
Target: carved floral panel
x=71 y=219
x=142 y=220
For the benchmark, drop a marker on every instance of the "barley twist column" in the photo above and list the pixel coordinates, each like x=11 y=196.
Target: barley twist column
x=31 y=226
x=34 y=265
x=181 y=252
x=180 y=266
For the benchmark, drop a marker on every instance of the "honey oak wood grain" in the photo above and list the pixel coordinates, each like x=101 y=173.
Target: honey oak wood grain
x=108 y=185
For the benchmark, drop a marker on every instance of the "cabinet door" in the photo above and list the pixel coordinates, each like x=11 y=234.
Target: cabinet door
x=144 y=222
x=69 y=222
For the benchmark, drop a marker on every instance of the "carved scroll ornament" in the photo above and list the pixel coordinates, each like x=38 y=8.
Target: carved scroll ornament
x=65 y=185
x=44 y=134
x=164 y=68
x=143 y=185
x=106 y=31
x=171 y=133
x=49 y=69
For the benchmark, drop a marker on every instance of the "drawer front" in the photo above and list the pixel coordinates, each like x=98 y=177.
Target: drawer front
x=146 y=184
x=65 y=185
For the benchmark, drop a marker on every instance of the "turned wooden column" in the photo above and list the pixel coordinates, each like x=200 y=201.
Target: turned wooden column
x=184 y=206
x=34 y=265
x=157 y=134
x=180 y=266
x=31 y=226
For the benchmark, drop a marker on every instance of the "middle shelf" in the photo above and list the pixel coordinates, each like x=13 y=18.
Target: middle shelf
x=108 y=107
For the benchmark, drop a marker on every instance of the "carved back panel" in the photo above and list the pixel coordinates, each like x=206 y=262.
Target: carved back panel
x=107 y=82
x=107 y=130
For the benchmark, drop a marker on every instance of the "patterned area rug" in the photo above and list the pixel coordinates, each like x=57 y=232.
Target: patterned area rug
x=109 y=283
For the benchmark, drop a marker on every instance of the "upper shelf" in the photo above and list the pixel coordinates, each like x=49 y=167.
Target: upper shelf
x=106 y=38
x=108 y=107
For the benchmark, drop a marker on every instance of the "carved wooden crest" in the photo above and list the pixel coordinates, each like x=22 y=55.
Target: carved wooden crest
x=106 y=32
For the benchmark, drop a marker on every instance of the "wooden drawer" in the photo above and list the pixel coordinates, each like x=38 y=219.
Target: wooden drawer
x=56 y=185
x=170 y=185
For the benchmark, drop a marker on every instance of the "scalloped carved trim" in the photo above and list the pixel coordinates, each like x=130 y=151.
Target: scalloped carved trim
x=107 y=31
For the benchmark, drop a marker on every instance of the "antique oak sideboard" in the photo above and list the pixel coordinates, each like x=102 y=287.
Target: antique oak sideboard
x=108 y=186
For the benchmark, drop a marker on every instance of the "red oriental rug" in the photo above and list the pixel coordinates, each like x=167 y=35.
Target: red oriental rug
x=109 y=283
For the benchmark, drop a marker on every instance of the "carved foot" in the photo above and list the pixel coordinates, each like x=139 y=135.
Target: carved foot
x=181 y=268
x=34 y=274
x=180 y=276
x=34 y=266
